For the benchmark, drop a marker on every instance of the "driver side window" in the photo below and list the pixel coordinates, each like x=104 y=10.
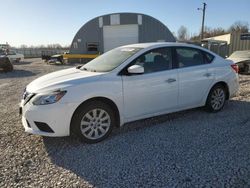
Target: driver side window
x=155 y=60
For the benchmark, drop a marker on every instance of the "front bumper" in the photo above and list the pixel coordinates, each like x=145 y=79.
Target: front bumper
x=57 y=116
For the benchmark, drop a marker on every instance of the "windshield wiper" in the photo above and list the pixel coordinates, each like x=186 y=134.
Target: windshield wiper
x=78 y=67
x=85 y=69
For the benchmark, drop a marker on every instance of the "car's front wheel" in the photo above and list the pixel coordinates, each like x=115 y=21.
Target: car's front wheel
x=216 y=99
x=93 y=122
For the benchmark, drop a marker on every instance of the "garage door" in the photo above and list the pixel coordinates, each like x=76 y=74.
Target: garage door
x=118 y=35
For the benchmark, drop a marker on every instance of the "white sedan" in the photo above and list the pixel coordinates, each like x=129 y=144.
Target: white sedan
x=126 y=84
x=15 y=57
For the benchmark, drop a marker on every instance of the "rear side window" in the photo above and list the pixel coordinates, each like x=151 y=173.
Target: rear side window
x=188 y=57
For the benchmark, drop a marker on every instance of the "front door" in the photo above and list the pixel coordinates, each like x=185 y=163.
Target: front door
x=156 y=90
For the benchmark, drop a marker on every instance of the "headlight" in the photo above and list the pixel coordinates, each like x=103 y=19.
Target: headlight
x=50 y=98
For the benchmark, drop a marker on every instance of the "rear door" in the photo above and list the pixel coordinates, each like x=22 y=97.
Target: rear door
x=195 y=76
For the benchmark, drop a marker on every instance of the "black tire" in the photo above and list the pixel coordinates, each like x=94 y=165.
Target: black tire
x=216 y=105
x=8 y=68
x=82 y=111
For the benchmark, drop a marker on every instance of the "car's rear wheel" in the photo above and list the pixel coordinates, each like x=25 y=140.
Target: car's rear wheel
x=93 y=122
x=216 y=98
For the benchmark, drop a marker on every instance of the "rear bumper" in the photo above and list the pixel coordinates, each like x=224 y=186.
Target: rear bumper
x=234 y=86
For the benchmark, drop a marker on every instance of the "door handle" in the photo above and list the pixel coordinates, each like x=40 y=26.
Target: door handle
x=207 y=75
x=170 y=80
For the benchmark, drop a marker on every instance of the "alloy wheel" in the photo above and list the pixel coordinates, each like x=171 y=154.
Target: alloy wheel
x=95 y=124
x=217 y=98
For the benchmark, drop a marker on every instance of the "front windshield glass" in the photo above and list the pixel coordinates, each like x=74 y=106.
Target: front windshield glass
x=110 y=60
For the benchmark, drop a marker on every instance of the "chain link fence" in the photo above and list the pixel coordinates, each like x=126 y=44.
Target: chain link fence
x=38 y=52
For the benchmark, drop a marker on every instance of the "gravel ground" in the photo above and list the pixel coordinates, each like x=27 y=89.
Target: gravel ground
x=187 y=149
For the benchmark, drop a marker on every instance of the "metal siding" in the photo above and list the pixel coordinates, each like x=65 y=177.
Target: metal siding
x=101 y=40
x=128 y=19
x=237 y=44
x=151 y=30
x=106 y=20
x=119 y=35
x=90 y=32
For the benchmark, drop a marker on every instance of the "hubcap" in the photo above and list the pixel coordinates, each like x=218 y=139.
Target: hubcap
x=95 y=124
x=217 y=98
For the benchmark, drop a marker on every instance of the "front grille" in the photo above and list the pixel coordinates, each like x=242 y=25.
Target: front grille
x=43 y=127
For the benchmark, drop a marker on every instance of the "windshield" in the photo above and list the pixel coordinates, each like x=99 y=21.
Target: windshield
x=241 y=54
x=110 y=60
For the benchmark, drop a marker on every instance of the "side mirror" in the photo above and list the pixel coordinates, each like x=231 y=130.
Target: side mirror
x=136 y=69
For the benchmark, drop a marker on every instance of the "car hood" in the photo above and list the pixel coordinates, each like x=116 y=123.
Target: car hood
x=238 y=59
x=61 y=79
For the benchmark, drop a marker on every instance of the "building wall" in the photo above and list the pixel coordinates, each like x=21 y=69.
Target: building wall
x=233 y=43
x=90 y=32
x=153 y=30
x=226 y=38
x=150 y=30
x=237 y=44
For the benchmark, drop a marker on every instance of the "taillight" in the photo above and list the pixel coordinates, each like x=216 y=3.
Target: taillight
x=235 y=67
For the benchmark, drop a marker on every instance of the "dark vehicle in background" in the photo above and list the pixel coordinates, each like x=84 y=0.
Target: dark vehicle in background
x=46 y=55
x=242 y=59
x=52 y=57
x=5 y=64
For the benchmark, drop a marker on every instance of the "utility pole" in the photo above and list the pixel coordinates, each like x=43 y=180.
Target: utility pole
x=203 y=19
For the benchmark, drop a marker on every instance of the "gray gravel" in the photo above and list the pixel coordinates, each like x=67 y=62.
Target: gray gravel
x=187 y=149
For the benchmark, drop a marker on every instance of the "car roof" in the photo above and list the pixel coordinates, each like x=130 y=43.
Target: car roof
x=166 y=44
x=161 y=44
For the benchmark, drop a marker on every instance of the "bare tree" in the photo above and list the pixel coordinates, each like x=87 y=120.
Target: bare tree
x=23 y=46
x=239 y=26
x=183 y=33
x=54 y=46
x=211 y=32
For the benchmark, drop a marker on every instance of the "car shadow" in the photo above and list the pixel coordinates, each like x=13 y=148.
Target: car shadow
x=16 y=73
x=173 y=150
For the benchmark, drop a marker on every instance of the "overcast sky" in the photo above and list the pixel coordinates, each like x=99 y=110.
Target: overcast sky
x=36 y=22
